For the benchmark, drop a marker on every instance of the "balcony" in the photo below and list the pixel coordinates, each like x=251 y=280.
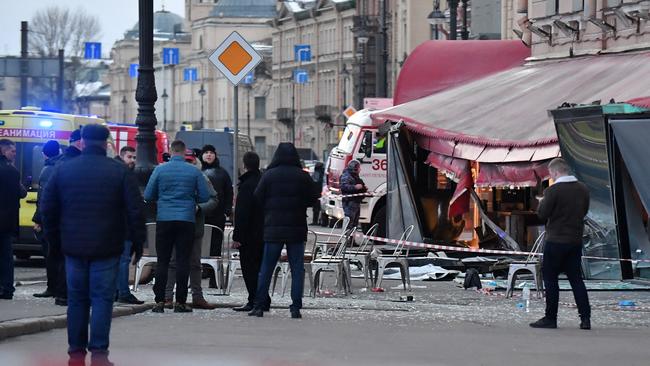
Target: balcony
x=323 y=113
x=284 y=115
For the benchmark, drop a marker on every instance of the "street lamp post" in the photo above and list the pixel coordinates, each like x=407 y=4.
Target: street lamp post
x=453 y=14
x=124 y=101
x=202 y=94
x=345 y=74
x=164 y=96
x=436 y=18
x=146 y=96
x=248 y=109
x=362 y=41
x=464 y=33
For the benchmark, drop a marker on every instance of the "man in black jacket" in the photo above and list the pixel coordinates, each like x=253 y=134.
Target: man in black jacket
x=54 y=264
x=248 y=235
x=89 y=207
x=285 y=192
x=221 y=183
x=11 y=191
x=563 y=208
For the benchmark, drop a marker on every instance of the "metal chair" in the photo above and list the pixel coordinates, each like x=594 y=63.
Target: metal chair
x=216 y=262
x=151 y=257
x=397 y=259
x=532 y=264
x=336 y=262
x=232 y=264
x=323 y=246
x=362 y=255
x=283 y=269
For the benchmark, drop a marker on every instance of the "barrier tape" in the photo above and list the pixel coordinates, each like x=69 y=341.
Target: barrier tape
x=367 y=194
x=476 y=250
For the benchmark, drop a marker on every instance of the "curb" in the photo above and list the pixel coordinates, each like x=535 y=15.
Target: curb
x=19 y=327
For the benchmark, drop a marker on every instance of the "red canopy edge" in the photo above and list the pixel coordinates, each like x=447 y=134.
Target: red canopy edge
x=434 y=66
x=642 y=102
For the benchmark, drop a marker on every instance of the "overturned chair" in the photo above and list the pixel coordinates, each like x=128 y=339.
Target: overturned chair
x=218 y=263
x=532 y=264
x=151 y=257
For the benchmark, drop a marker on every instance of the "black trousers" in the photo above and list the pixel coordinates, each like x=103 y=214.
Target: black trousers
x=564 y=258
x=55 y=270
x=251 y=260
x=179 y=236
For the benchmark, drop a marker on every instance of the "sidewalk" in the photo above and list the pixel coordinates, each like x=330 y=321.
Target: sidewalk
x=26 y=314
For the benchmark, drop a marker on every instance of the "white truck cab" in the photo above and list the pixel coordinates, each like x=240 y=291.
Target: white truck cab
x=363 y=141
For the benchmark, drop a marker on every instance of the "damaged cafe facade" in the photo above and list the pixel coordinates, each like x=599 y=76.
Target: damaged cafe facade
x=469 y=149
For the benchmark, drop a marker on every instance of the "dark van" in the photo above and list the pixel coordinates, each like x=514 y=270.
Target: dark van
x=222 y=141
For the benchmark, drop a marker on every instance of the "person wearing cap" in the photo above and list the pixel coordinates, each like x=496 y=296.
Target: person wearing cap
x=90 y=206
x=54 y=264
x=351 y=184
x=222 y=183
x=74 y=149
x=177 y=188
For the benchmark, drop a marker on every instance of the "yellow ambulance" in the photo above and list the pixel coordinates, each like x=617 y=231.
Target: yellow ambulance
x=30 y=128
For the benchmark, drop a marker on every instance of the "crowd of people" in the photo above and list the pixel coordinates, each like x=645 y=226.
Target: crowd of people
x=90 y=218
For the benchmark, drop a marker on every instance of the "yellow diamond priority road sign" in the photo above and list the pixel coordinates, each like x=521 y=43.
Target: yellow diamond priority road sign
x=235 y=58
x=349 y=111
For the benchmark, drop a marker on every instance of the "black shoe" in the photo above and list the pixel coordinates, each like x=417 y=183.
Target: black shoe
x=6 y=297
x=61 y=301
x=130 y=299
x=256 y=312
x=247 y=307
x=295 y=314
x=545 y=322
x=585 y=323
x=159 y=307
x=46 y=293
x=182 y=308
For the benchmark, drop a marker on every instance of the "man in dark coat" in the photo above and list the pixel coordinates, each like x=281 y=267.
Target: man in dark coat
x=221 y=183
x=74 y=149
x=563 y=209
x=89 y=207
x=248 y=235
x=351 y=183
x=11 y=191
x=54 y=264
x=127 y=156
x=318 y=176
x=285 y=192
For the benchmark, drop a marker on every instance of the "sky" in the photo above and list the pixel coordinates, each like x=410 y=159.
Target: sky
x=115 y=16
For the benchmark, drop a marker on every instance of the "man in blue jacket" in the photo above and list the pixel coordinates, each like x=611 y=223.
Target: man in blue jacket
x=89 y=207
x=177 y=187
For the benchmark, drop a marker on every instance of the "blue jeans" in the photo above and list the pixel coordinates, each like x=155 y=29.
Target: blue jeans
x=91 y=283
x=6 y=265
x=272 y=251
x=122 y=281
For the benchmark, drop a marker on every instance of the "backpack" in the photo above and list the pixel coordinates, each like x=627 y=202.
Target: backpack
x=472 y=279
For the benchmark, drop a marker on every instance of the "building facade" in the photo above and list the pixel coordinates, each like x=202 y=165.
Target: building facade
x=558 y=29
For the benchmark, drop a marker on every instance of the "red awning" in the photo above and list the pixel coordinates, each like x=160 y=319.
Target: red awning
x=503 y=118
x=435 y=66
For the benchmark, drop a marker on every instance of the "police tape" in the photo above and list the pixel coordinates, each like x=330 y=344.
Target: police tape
x=367 y=194
x=476 y=250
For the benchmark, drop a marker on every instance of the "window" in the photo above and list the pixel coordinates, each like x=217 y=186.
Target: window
x=260 y=107
x=260 y=146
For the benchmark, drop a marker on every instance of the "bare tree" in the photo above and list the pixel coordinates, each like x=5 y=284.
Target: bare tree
x=56 y=27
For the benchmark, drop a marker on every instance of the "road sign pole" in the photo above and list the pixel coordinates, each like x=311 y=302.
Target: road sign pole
x=235 y=157
x=60 y=81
